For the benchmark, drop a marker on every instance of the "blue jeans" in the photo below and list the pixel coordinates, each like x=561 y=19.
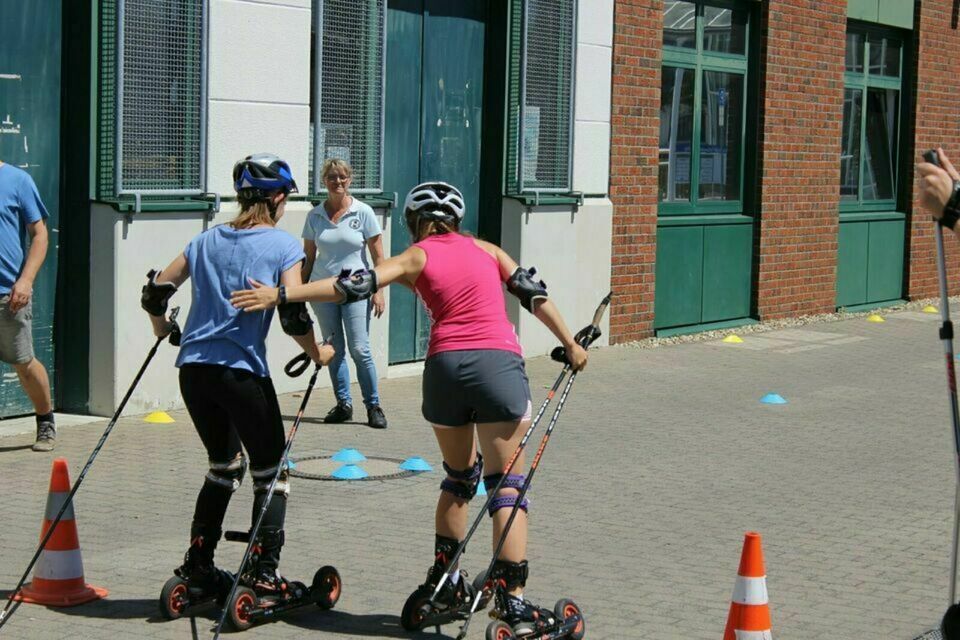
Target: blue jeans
x=353 y=320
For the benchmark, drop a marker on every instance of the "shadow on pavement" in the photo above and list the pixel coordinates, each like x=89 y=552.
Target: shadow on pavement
x=373 y=625
x=16 y=447
x=308 y=420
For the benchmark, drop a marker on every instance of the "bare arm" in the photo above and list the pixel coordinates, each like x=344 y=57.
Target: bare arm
x=310 y=249
x=404 y=268
x=375 y=246
x=176 y=272
x=308 y=341
x=22 y=289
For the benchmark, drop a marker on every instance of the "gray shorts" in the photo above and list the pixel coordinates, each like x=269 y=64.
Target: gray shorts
x=479 y=385
x=16 y=337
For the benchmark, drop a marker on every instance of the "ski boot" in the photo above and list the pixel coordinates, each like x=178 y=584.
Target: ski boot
x=197 y=581
x=518 y=619
x=262 y=592
x=452 y=602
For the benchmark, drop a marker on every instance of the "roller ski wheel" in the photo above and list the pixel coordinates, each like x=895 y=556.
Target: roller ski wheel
x=500 y=630
x=326 y=587
x=416 y=609
x=174 y=598
x=565 y=610
x=240 y=606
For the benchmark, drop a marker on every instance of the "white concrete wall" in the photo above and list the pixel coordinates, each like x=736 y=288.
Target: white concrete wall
x=569 y=245
x=121 y=254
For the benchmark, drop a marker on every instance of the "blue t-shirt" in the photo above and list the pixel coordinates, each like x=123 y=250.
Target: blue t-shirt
x=220 y=261
x=341 y=245
x=20 y=205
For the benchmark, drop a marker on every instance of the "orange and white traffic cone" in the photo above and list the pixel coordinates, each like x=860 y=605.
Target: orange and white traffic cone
x=58 y=575
x=749 y=617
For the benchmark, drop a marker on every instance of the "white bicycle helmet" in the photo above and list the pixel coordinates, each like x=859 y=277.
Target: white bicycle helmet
x=435 y=200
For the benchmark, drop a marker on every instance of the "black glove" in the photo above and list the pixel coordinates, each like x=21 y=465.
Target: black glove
x=585 y=337
x=175 y=334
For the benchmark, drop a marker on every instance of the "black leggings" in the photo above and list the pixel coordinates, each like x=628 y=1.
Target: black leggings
x=229 y=408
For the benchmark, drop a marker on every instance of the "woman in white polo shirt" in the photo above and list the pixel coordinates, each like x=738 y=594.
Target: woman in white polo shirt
x=335 y=237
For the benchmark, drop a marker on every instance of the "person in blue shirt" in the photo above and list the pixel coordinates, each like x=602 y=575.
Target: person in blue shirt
x=224 y=378
x=21 y=210
x=336 y=236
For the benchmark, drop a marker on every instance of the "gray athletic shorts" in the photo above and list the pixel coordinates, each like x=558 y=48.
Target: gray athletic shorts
x=479 y=385
x=16 y=338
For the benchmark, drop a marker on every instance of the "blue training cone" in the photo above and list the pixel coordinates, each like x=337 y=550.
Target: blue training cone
x=415 y=464
x=348 y=456
x=350 y=472
x=291 y=464
x=773 y=398
x=481 y=489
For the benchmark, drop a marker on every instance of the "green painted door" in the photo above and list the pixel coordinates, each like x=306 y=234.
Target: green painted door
x=432 y=127
x=30 y=139
x=870 y=260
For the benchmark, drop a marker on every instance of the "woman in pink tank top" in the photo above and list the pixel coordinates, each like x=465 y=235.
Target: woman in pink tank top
x=475 y=386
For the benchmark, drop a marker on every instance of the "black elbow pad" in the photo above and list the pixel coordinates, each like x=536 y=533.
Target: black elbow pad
x=359 y=285
x=522 y=285
x=155 y=295
x=294 y=318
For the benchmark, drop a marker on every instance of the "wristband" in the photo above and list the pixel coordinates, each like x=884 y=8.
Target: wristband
x=282 y=295
x=951 y=212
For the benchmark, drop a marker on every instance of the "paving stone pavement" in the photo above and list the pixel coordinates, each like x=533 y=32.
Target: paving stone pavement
x=661 y=461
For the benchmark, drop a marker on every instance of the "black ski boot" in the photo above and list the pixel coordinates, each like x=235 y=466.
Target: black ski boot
x=518 y=618
x=453 y=600
x=197 y=581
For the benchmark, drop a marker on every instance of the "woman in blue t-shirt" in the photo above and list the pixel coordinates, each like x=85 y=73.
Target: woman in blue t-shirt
x=224 y=377
x=335 y=235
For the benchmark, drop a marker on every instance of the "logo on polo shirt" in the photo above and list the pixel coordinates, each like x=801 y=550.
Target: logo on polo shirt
x=355 y=224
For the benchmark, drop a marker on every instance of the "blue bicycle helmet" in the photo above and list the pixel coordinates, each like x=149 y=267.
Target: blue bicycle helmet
x=260 y=175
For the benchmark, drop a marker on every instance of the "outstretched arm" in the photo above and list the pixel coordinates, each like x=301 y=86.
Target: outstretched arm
x=406 y=267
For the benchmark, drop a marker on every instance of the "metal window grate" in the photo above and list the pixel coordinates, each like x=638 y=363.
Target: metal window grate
x=161 y=95
x=349 y=45
x=546 y=100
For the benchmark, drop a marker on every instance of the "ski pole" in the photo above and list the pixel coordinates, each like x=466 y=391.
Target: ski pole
x=174 y=336
x=587 y=336
x=280 y=469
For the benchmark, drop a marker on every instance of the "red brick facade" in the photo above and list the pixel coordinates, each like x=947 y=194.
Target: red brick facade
x=937 y=55
x=801 y=91
x=801 y=98
x=634 y=143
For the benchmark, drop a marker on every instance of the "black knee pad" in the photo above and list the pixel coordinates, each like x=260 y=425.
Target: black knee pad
x=507 y=500
x=263 y=477
x=228 y=475
x=510 y=575
x=463 y=484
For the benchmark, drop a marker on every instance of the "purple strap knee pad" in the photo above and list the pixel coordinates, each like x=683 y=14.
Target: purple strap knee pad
x=512 y=481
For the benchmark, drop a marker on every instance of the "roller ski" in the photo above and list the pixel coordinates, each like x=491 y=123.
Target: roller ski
x=262 y=593
x=196 y=583
x=516 y=618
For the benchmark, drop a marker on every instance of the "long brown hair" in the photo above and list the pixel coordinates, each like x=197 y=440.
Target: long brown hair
x=421 y=228
x=253 y=213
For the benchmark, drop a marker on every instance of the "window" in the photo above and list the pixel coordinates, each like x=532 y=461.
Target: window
x=346 y=118
x=703 y=106
x=871 y=119
x=153 y=97
x=540 y=127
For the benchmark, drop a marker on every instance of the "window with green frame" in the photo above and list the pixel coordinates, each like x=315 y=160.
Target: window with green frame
x=872 y=102
x=703 y=106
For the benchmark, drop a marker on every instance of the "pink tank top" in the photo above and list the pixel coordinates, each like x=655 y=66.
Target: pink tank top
x=462 y=290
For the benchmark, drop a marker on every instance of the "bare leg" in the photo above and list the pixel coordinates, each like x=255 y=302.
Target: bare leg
x=459 y=451
x=34 y=380
x=498 y=441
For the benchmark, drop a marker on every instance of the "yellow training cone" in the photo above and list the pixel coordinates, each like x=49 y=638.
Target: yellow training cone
x=875 y=318
x=159 y=417
x=930 y=309
x=732 y=339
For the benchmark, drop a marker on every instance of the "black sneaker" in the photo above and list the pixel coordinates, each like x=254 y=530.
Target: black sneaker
x=340 y=413
x=47 y=437
x=375 y=417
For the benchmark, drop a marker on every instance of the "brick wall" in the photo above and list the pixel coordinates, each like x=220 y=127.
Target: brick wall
x=937 y=58
x=634 y=144
x=801 y=94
